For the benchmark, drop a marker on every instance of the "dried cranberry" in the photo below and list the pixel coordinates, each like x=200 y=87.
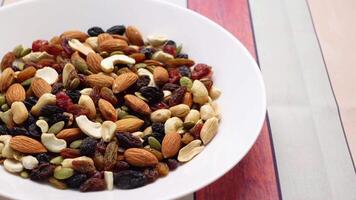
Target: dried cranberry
x=185 y=71
x=196 y=131
x=37 y=45
x=63 y=100
x=177 y=96
x=93 y=184
x=129 y=179
x=174 y=76
x=159 y=105
x=172 y=164
x=76 y=180
x=207 y=82
x=87 y=147
x=66 y=47
x=152 y=94
x=74 y=95
x=151 y=174
x=201 y=71
x=171 y=49
x=95 y=31
x=43 y=172
x=127 y=140
x=119 y=30
x=170 y=86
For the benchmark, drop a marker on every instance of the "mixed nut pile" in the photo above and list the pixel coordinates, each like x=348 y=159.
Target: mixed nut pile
x=100 y=109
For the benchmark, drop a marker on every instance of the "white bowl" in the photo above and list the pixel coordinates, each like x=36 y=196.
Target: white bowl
x=236 y=74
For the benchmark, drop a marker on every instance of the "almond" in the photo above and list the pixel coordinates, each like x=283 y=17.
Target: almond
x=7 y=60
x=123 y=82
x=137 y=104
x=93 y=61
x=171 y=144
x=16 y=92
x=69 y=134
x=188 y=99
x=6 y=79
x=81 y=36
x=160 y=75
x=27 y=145
x=121 y=37
x=25 y=74
x=140 y=157
x=99 y=80
x=112 y=45
x=107 y=110
x=177 y=62
x=103 y=37
x=134 y=36
x=139 y=57
x=128 y=125
x=40 y=87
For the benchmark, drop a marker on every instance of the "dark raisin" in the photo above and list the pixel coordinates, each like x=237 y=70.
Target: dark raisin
x=93 y=184
x=67 y=49
x=101 y=146
x=208 y=83
x=171 y=42
x=170 y=86
x=195 y=131
x=170 y=47
x=34 y=131
x=142 y=81
x=56 y=87
x=129 y=179
x=127 y=140
x=30 y=102
x=43 y=172
x=172 y=164
x=15 y=68
x=148 y=52
x=119 y=30
x=120 y=166
x=49 y=110
x=158 y=127
x=95 y=95
x=74 y=95
x=87 y=148
x=183 y=55
x=43 y=158
x=17 y=131
x=76 y=180
x=195 y=106
x=3 y=130
x=57 y=117
x=151 y=174
x=185 y=71
x=177 y=96
x=152 y=94
x=30 y=120
x=95 y=31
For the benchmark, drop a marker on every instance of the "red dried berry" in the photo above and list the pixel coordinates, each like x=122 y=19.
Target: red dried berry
x=177 y=96
x=67 y=49
x=63 y=101
x=201 y=71
x=159 y=105
x=38 y=45
x=171 y=49
x=196 y=131
x=174 y=76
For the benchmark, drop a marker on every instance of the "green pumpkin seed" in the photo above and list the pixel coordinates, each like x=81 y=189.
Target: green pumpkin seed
x=5 y=107
x=25 y=51
x=27 y=82
x=158 y=154
x=62 y=173
x=154 y=143
x=188 y=125
x=18 y=64
x=24 y=174
x=57 y=184
x=56 y=128
x=18 y=51
x=187 y=82
x=2 y=99
x=179 y=48
x=57 y=160
x=75 y=144
x=121 y=113
x=125 y=108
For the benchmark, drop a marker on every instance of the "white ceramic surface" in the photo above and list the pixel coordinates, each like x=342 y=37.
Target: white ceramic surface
x=236 y=74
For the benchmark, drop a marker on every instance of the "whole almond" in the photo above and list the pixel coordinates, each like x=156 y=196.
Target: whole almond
x=139 y=57
x=27 y=145
x=177 y=62
x=128 y=125
x=171 y=144
x=160 y=75
x=6 y=79
x=69 y=134
x=7 y=60
x=103 y=37
x=121 y=37
x=140 y=157
x=123 y=82
x=25 y=74
x=99 y=80
x=75 y=34
x=112 y=45
x=40 y=87
x=137 y=104
x=15 y=92
x=134 y=36
x=107 y=110
x=188 y=99
x=93 y=61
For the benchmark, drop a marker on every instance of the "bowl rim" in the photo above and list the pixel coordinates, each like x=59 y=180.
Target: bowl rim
x=256 y=69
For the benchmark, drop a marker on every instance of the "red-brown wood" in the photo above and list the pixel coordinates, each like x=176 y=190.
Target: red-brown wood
x=255 y=177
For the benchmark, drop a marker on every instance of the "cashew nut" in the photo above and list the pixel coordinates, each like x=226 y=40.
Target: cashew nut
x=207 y=111
x=160 y=115
x=45 y=99
x=200 y=93
x=162 y=56
x=142 y=72
x=19 y=112
x=86 y=91
x=108 y=130
x=7 y=151
x=92 y=42
x=180 y=110
x=13 y=166
x=156 y=40
x=193 y=116
x=88 y=102
x=68 y=161
x=36 y=56
x=48 y=74
x=107 y=64
x=77 y=45
x=172 y=125
x=52 y=143
x=88 y=127
x=109 y=180
x=214 y=92
x=29 y=162
x=43 y=125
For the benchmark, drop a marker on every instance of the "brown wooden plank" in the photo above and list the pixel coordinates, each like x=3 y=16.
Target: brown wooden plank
x=255 y=177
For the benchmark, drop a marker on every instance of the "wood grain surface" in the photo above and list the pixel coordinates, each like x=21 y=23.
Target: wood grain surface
x=255 y=177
